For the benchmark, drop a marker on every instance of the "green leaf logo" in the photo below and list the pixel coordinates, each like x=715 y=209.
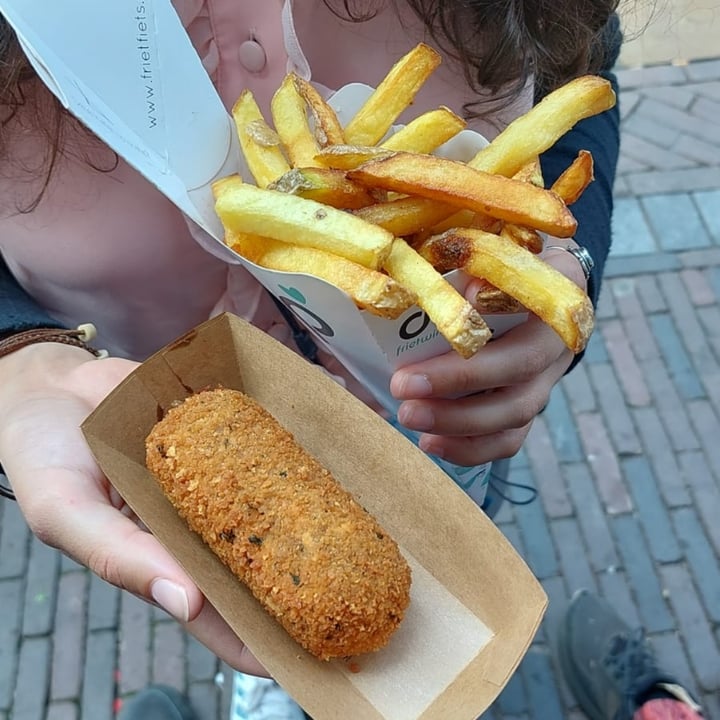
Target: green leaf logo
x=294 y=293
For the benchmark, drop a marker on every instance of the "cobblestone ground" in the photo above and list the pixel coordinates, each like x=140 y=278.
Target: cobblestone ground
x=626 y=458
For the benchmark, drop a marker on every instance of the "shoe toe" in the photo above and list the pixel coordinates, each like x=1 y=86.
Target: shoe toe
x=591 y=622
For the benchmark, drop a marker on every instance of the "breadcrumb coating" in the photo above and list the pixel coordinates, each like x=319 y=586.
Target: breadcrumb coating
x=314 y=558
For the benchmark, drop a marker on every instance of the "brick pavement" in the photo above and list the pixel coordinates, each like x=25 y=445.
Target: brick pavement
x=626 y=459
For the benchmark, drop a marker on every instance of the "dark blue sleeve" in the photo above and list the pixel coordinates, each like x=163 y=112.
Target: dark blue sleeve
x=18 y=311
x=600 y=135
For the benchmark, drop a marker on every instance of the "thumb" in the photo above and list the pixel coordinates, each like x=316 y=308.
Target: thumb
x=127 y=556
x=101 y=537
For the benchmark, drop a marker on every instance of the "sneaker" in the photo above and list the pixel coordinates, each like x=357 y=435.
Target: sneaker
x=608 y=666
x=258 y=698
x=157 y=702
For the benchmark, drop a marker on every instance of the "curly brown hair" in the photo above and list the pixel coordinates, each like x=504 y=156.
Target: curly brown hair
x=42 y=114
x=500 y=44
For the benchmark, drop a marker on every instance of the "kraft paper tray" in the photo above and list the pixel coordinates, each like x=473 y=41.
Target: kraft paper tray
x=475 y=606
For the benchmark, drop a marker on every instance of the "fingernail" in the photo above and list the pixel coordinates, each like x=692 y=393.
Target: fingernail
x=172 y=598
x=431 y=447
x=417 y=416
x=415 y=386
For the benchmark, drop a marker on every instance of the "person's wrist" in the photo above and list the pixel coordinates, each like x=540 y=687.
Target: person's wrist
x=28 y=374
x=35 y=367
x=48 y=351
x=80 y=337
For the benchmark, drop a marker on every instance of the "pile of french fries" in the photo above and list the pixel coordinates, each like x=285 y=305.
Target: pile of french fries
x=384 y=219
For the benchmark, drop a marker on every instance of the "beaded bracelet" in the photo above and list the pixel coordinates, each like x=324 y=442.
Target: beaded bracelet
x=80 y=337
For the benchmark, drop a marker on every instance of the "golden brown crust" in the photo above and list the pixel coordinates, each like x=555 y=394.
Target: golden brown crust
x=313 y=557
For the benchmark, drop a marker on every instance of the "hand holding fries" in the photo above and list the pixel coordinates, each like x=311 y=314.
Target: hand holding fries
x=496 y=394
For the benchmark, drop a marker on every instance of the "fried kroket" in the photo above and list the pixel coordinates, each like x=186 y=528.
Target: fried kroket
x=314 y=558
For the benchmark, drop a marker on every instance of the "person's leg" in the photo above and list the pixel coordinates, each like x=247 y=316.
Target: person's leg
x=256 y=698
x=157 y=702
x=611 y=669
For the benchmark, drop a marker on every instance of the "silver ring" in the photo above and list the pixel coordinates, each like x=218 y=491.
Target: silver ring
x=582 y=256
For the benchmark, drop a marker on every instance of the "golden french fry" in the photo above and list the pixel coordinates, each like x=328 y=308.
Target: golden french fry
x=531 y=172
x=369 y=289
x=427 y=132
x=396 y=91
x=310 y=170
x=290 y=118
x=535 y=131
x=443 y=252
x=525 y=237
x=490 y=300
x=538 y=286
x=484 y=222
x=538 y=129
x=577 y=176
x=260 y=144
x=458 y=184
x=405 y=216
x=327 y=128
x=225 y=185
x=269 y=213
x=464 y=218
x=348 y=157
x=327 y=186
x=455 y=318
